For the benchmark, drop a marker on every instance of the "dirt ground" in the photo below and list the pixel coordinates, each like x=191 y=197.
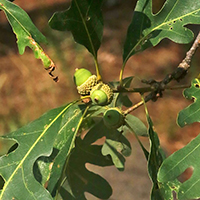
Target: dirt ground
x=26 y=91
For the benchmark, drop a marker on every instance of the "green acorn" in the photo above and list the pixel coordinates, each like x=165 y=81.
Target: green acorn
x=101 y=94
x=84 y=81
x=113 y=118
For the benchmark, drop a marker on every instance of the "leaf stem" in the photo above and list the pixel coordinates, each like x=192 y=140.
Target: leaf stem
x=134 y=107
x=121 y=74
x=185 y=64
x=148 y=97
x=97 y=69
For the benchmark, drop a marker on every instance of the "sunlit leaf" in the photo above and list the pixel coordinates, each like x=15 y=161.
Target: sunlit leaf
x=84 y=19
x=192 y=112
x=64 y=141
x=177 y=163
x=148 y=29
x=34 y=141
x=27 y=34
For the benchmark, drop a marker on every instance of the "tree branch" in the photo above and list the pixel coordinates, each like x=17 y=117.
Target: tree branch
x=158 y=87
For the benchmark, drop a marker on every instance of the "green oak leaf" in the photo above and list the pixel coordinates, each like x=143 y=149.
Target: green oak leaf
x=64 y=141
x=26 y=32
x=120 y=99
x=42 y=168
x=34 y=141
x=135 y=125
x=80 y=179
x=176 y=164
x=148 y=29
x=116 y=145
x=191 y=114
x=84 y=19
x=155 y=159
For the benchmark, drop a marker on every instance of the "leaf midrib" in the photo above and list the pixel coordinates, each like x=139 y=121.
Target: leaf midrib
x=4 y=8
x=156 y=28
x=86 y=28
x=28 y=153
x=171 y=169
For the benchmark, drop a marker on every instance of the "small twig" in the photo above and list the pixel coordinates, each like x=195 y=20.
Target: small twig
x=143 y=90
x=159 y=87
x=176 y=87
x=133 y=107
x=184 y=66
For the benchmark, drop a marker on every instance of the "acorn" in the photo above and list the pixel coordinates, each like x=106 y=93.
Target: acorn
x=101 y=94
x=84 y=81
x=113 y=118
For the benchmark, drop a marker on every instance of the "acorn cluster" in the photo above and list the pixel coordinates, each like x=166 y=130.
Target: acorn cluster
x=100 y=94
x=87 y=85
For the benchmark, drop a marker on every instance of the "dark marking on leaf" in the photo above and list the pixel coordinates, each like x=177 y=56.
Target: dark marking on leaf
x=197 y=85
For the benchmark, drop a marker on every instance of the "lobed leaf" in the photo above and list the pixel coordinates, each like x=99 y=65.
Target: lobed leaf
x=116 y=144
x=176 y=164
x=34 y=140
x=148 y=29
x=191 y=114
x=84 y=19
x=64 y=142
x=80 y=179
x=26 y=32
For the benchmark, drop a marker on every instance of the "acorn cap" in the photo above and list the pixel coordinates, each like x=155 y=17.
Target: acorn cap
x=85 y=88
x=101 y=94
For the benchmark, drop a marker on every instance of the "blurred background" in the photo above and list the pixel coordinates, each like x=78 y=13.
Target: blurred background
x=26 y=91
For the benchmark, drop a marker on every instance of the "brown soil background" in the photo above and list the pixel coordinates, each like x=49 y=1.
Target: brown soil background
x=26 y=91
